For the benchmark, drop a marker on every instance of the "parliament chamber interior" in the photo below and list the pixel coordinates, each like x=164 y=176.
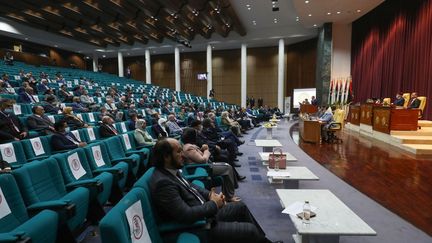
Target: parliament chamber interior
x=137 y=121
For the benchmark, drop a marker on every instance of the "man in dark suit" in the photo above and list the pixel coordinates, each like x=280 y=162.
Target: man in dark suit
x=314 y=101
x=107 y=128
x=39 y=121
x=415 y=102
x=26 y=96
x=177 y=200
x=400 y=101
x=62 y=140
x=10 y=126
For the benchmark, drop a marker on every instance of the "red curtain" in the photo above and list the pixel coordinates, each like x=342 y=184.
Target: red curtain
x=392 y=51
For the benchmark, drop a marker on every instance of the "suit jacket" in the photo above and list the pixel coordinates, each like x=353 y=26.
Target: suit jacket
x=400 y=102
x=414 y=103
x=51 y=109
x=106 y=132
x=36 y=122
x=78 y=107
x=60 y=141
x=24 y=97
x=159 y=132
x=7 y=130
x=175 y=202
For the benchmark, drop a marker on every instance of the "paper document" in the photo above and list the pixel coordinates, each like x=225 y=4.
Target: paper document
x=296 y=207
x=279 y=173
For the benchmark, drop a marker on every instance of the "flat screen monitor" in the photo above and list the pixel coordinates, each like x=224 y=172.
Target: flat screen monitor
x=299 y=95
x=202 y=76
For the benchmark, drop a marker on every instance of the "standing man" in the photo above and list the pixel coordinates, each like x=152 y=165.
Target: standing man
x=177 y=200
x=314 y=101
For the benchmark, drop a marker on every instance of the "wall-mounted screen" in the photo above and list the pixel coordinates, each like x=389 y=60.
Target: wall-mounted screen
x=301 y=94
x=202 y=76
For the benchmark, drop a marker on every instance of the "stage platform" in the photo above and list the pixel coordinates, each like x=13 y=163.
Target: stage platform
x=417 y=142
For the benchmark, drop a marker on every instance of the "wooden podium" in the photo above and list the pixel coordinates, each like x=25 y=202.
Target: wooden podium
x=310 y=131
x=366 y=114
x=386 y=119
x=308 y=109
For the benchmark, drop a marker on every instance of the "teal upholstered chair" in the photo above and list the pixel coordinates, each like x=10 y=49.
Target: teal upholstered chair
x=117 y=153
x=114 y=227
x=13 y=153
x=100 y=161
x=77 y=172
x=36 y=148
x=42 y=187
x=17 y=225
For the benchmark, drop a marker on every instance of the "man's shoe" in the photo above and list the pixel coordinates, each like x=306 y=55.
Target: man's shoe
x=241 y=142
x=241 y=178
x=237 y=165
x=239 y=153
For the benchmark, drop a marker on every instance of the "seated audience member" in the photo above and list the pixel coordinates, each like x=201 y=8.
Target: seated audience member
x=112 y=108
x=87 y=101
x=210 y=131
x=160 y=129
x=133 y=117
x=104 y=112
x=233 y=125
x=64 y=95
x=62 y=139
x=177 y=200
x=415 y=102
x=173 y=126
x=77 y=106
x=39 y=121
x=10 y=126
x=142 y=137
x=26 y=96
x=226 y=134
x=73 y=121
x=50 y=105
x=141 y=104
x=326 y=118
x=42 y=87
x=400 y=101
x=196 y=155
x=107 y=128
x=314 y=101
x=8 y=59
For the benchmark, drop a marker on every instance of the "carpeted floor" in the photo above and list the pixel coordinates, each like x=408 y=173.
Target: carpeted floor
x=262 y=200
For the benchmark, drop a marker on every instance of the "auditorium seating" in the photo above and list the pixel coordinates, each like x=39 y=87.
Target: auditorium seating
x=422 y=105
x=407 y=97
x=115 y=228
x=117 y=153
x=16 y=225
x=43 y=187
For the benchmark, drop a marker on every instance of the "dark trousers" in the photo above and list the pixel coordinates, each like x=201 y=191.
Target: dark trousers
x=235 y=223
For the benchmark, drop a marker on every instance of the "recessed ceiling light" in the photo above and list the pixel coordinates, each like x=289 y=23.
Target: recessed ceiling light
x=249 y=8
x=310 y=15
x=26 y=38
x=328 y=13
x=247 y=5
x=306 y=1
x=338 y=12
x=315 y=25
x=55 y=45
x=358 y=10
x=297 y=20
x=103 y=56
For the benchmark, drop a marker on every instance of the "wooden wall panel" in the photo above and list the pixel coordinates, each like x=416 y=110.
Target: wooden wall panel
x=191 y=64
x=262 y=74
x=109 y=65
x=226 y=75
x=301 y=65
x=137 y=66
x=163 y=70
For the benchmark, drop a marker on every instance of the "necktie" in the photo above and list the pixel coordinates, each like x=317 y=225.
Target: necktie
x=191 y=189
x=113 y=129
x=71 y=139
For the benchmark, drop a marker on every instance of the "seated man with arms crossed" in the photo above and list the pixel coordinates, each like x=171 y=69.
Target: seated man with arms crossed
x=177 y=200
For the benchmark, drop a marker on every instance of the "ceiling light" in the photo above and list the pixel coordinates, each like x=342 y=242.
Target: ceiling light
x=328 y=13
x=306 y=1
x=249 y=8
x=358 y=10
x=247 y=5
x=310 y=15
x=297 y=20
x=103 y=56
x=338 y=12
x=55 y=45
x=315 y=25
x=26 y=38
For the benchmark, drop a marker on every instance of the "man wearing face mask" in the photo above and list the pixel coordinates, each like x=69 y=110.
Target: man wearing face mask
x=63 y=139
x=107 y=128
x=39 y=121
x=10 y=126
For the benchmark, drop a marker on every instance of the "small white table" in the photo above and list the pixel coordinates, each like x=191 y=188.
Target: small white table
x=291 y=176
x=265 y=157
x=267 y=145
x=333 y=218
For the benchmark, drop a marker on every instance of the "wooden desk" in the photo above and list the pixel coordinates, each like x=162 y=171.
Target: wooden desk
x=308 y=109
x=310 y=131
x=366 y=114
x=387 y=119
x=355 y=115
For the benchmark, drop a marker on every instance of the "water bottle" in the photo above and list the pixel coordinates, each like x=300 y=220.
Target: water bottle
x=306 y=212
x=276 y=165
